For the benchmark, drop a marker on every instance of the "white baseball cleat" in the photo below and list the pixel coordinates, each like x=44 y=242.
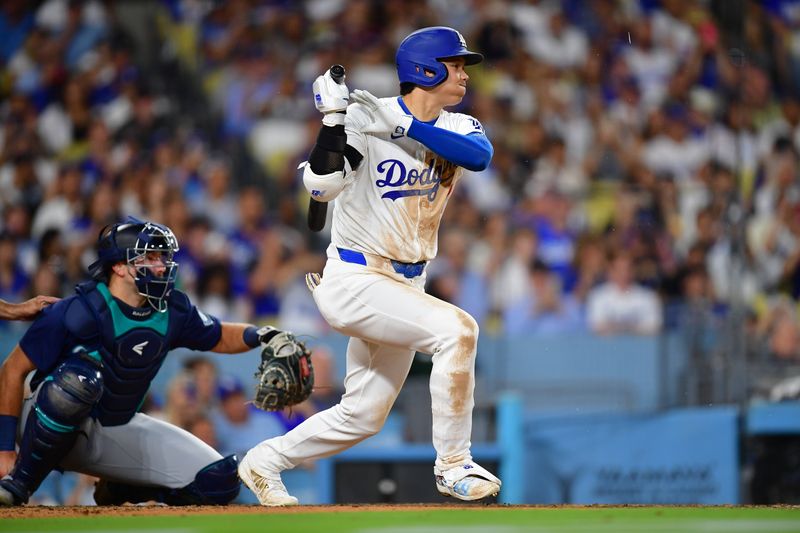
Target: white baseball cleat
x=266 y=485
x=467 y=482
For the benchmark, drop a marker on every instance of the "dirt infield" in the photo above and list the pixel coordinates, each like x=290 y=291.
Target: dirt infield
x=37 y=511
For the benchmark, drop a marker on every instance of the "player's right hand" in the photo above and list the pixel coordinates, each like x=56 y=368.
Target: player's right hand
x=7 y=460
x=330 y=97
x=384 y=119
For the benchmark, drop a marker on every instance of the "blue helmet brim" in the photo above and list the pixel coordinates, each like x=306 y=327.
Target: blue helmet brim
x=470 y=57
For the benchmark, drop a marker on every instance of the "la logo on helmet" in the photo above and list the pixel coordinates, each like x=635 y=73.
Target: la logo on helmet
x=461 y=38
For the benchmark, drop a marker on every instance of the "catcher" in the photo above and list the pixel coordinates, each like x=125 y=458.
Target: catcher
x=91 y=358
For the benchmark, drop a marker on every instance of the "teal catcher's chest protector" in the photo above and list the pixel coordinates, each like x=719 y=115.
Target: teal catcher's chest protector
x=131 y=350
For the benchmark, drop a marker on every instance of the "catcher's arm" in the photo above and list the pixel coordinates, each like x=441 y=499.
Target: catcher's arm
x=12 y=378
x=237 y=338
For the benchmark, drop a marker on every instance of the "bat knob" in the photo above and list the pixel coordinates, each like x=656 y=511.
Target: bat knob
x=337 y=73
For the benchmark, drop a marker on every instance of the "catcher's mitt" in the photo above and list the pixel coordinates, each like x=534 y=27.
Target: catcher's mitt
x=285 y=375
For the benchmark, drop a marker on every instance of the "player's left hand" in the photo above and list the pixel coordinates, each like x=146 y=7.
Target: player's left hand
x=265 y=333
x=384 y=118
x=285 y=375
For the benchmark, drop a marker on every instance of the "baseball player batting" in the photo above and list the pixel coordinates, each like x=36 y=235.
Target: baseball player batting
x=391 y=164
x=94 y=355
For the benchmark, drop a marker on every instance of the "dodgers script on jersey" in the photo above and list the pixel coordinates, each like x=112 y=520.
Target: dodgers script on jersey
x=398 y=193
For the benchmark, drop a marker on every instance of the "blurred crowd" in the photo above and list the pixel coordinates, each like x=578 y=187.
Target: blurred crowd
x=645 y=174
x=645 y=166
x=645 y=153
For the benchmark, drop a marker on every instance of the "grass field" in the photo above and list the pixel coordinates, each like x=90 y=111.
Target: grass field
x=420 y=520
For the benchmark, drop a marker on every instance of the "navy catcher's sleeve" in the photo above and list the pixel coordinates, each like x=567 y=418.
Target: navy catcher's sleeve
x=47 y=336
x=198 y=331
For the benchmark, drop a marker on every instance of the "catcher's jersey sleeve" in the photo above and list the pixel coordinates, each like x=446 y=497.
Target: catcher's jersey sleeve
x=199 y=330
x=393 y=201
x=46 y=337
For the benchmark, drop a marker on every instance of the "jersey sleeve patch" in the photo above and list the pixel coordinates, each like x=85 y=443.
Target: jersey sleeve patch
x=467 y=125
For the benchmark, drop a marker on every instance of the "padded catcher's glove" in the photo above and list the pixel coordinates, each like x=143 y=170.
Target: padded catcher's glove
x=285 y=375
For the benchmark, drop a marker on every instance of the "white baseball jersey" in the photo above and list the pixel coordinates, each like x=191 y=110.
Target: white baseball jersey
x=392 y=204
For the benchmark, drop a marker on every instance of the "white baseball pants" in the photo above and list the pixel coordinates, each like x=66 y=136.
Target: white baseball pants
x=388 y=318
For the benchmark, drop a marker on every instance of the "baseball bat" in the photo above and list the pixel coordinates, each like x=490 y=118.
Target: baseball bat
x=318 y=211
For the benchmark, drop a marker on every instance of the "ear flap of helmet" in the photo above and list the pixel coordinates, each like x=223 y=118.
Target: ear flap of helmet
x=425 y=49
x=109 y=251
x=97 y=270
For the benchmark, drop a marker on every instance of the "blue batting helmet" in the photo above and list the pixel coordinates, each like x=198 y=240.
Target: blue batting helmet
x=424 y=49
x=135 y=242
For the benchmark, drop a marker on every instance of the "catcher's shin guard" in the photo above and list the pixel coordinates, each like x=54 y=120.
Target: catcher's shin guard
x=65 y=399
x=216 y=484
x=12 y=492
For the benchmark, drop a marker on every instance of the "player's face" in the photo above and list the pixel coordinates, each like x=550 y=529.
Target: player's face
x=453 y=89
x=155 y=261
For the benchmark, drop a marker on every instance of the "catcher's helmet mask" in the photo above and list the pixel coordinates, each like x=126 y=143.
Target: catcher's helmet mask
x=419 y=57
x=143 y=246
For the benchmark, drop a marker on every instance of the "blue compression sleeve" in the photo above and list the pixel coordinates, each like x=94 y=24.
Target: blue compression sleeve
x=473 y=151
